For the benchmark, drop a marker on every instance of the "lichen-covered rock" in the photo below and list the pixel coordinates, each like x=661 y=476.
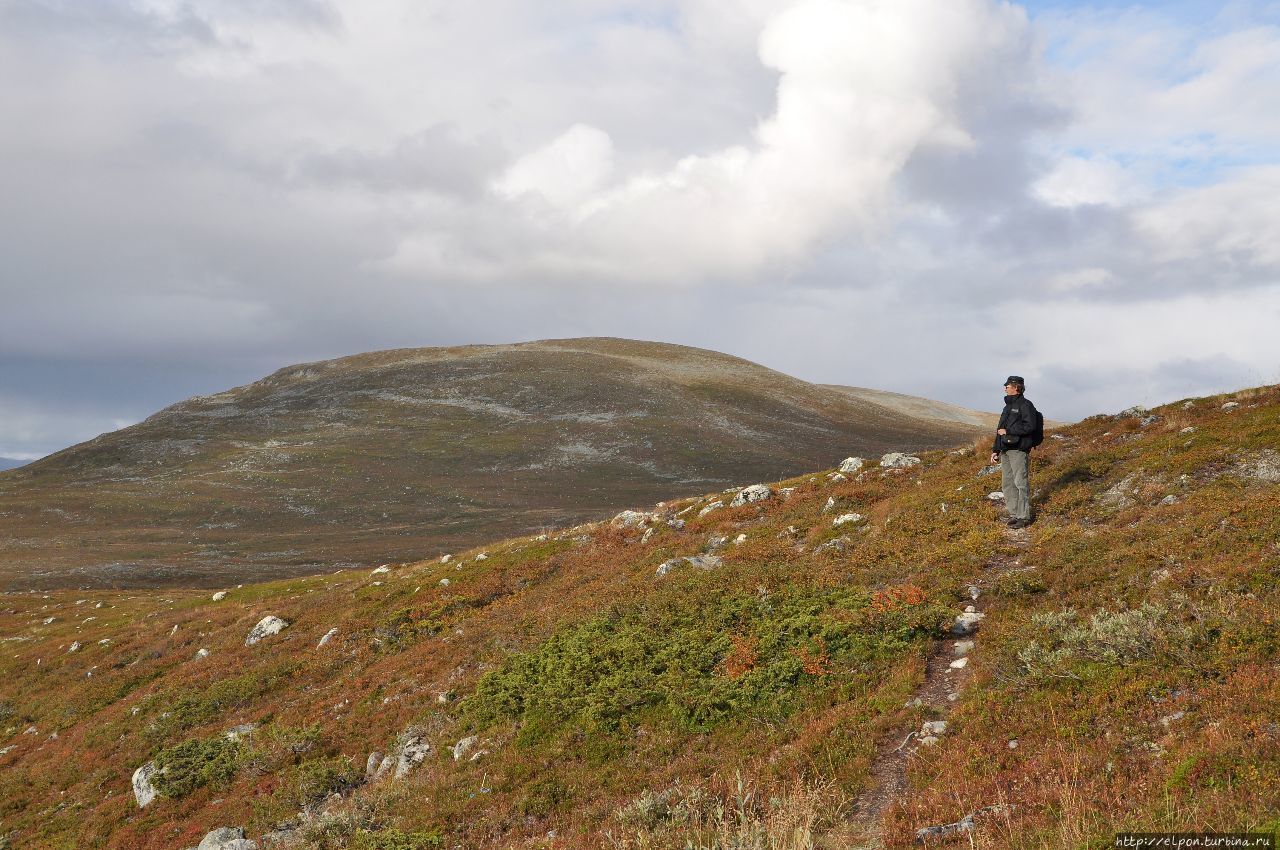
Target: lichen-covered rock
x=898 y=460
x=996 y=496
x=830 y=505
x=267 y=626
x=843 y=519
x=966 y=623
x=631 y=519
x=219 y=596
x=754 y=493
x=464 y=746
x=839 y=544
x=412 y=749
x=143 y=791
x=702 y=562
x=711 y=507
x=851 y=465
x=227 y=838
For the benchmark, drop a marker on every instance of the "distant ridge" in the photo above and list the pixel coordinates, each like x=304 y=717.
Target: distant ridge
x=400 y=454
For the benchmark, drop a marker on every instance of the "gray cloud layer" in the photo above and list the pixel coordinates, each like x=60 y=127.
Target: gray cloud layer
x=920 y=195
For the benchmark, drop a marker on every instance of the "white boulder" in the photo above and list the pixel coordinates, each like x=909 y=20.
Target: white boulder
x=846 y=518
x=219 y=596
x=143 y=791
x=898 y=460
x=328 y=636
x=851 y=464
x=754 y=493
x=267 y=626
x=227 y=838
x=711 y=507
x=413 y=750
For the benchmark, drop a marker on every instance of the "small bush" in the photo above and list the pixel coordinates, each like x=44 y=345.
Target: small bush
x=403 y=628
x=310 y=782
x=1150 y=632
x=194 y=764
x=394 y=839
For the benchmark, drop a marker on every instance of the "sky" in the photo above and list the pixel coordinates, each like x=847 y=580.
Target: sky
x=922 y=196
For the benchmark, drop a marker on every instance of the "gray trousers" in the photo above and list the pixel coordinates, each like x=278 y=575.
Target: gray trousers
x=1013 y=480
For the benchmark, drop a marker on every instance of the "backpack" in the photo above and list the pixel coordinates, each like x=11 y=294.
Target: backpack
x=1037 y=435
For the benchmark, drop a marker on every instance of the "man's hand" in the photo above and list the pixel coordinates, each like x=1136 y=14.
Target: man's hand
x=1001 y=431
x=995 y=457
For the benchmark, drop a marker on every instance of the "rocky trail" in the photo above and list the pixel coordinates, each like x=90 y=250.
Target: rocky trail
x=946 y=675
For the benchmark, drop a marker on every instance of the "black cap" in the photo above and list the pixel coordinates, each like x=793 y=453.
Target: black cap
x=1015 y=379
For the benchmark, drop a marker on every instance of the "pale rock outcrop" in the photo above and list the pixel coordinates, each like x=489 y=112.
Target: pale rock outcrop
x=851 y=465
x=372 y=764
x=648 y=533
x=702 y=562
x=219 y=596
x=143 y=791
x=839 y=544
x=227 y=838
x=202 y=653
x=837 y=478
x=631 y=519
x=267 y=626
x=328 y=636
x=844 y=519
x=711 y=507
x=830 y=505
x=754 y=493
x=464 y=746
x=996 y=496
x=898 y=460
x=412 y=749
x=1231 y=405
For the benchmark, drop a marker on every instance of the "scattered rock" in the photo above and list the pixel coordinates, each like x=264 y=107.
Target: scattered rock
x=464 y=746
x=412 y=749
x=830 y=505
x=711 y=507
x=644 y=538
x=851 y=465
x=786 y=492
x=989 y=470
x=267 y=626
x=837 y=478
x=996 y=496
x=677 y=524
x=380 y=570
x=1231 y=405
x=483 y=556
x=143 y=791
x=702 y=562
x=974 y=593
x=1264 y=466
x=1013 y=744
x=444 y=559
x=1190 y=429
x=75 y=647
x=235 y=733
x=754 y=493
x=933 y=727
x=1172 y=718
x=1056 y=437
x=219 y=596
x=1169 y=500
x=739 y=540
x=966 y=623
x=371 y=765
x=631 y=519
x=202 y=653
x=1132 y=412
x=965 y=824
x=716 y=541
x=227 y=838
x=1148 y=420
x=328 y=636
x=846 y=518
x=898 y=460
x=839 y=544
x=960 y=663
x=962 y=647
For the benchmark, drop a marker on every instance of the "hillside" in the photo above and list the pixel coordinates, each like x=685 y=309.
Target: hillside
x=783 y=673
x=402 y=454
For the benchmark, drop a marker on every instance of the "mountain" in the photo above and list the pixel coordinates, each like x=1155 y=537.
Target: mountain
x=403 y=454
x=11 y=463
x=838 y=662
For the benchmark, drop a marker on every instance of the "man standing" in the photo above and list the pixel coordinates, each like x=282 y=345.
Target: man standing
x=1012 y=449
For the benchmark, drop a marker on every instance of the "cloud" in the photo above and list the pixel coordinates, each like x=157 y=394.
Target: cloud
x=907 y=194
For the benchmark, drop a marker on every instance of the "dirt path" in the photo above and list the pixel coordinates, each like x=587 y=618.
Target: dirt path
x=942 y=684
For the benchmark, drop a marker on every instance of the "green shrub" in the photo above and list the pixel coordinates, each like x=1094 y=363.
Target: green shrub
x=394 y=839
x=313 y=780
x=1150 y=632
x=197 y=706
x=695 y=660
x=403 y=628
x=194 y=764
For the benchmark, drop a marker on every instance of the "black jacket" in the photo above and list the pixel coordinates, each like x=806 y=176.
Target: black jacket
x=1018 y=419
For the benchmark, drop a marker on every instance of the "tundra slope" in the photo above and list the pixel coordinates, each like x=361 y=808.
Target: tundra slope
x=399 y=454
x=562 y=693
